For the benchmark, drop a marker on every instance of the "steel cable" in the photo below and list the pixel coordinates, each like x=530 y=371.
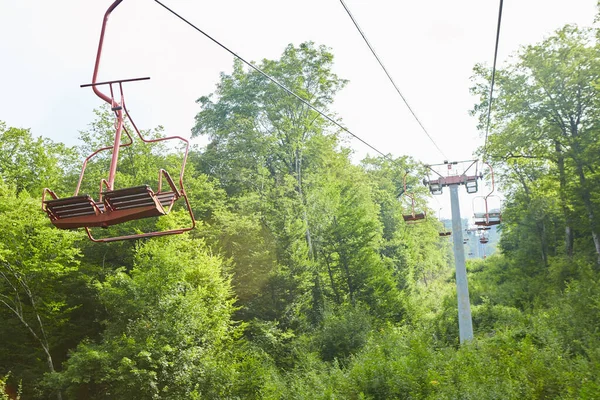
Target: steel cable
x=391 y=79
x=280 y=85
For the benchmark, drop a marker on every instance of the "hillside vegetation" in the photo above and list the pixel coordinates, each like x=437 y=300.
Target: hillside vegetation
x=302 y=280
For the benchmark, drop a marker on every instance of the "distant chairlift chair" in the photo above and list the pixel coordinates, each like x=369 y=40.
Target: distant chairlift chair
x=483 y=214
x=414 y=216
x=116 y=206
x=446 y=231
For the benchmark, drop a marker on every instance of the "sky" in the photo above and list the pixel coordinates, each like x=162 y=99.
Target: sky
x=429 y=47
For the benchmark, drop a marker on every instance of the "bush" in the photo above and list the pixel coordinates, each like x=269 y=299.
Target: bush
x=343 y=332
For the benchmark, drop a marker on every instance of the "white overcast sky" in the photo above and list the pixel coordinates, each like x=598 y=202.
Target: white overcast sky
x=429 y=47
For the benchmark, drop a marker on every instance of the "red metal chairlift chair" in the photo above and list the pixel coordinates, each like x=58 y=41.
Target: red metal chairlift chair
x=483 y=237
x=445 y=232
x=486 y=216
x=413 y=217
x=116 y=206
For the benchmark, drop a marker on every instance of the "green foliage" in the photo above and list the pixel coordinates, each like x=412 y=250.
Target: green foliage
x=579 y=336
x=30 y=164
x=351 y=243
x=7 y=391
x=279 y=345
x=269 y=151
x=301 y=227
x=41 y=289
x=403 y=364
x=302 y=280
x=343 y=333
x=545 y=142
x=166 y=326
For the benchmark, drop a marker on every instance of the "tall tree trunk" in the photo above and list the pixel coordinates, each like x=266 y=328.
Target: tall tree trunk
x=541 y=226
x=331 y=280
x=318 y=305
x=309 y=244
x=317 y=293
x=589 y=208
x=585 y=191
x=14 y=304
x=344 y=263
x=560 y=163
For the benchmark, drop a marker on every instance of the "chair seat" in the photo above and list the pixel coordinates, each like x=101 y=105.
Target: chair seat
x=123 y=199
x=73 y=206
x=413 y=217
x=487 y=223
x=132 y=203
x=139 y=196
x=73 y=212
x=117 y=206
x=483 y=219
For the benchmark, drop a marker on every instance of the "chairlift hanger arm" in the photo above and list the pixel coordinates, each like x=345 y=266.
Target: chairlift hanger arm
x=103 y=96
x=492 y=179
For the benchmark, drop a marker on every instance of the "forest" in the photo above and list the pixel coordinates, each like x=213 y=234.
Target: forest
x=301 y=279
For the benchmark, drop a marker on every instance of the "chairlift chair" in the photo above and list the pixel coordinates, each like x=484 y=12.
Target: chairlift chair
x=435 y=187
x=483 y=237
x=414 y=216
x=471 y=186
x=118 y=205
x=446 y=231
x=489 y=217
x=483 y=214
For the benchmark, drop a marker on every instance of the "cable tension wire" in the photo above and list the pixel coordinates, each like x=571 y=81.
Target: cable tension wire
x=390 y=78
x=283 y=87
x=487 y=128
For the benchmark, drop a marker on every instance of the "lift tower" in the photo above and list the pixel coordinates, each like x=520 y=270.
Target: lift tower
x=453 y=181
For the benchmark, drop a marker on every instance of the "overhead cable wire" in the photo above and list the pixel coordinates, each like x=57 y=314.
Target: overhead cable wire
x=487 y=127
x=390 y=78
x=276 y=82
